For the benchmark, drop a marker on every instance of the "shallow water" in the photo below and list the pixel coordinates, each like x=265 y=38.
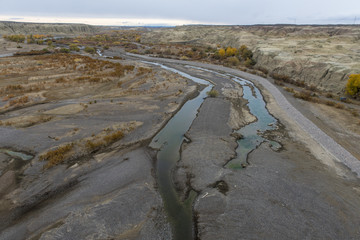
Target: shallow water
x=21 y=155
x=169 y=141
x=252 y=132
x=170 y=138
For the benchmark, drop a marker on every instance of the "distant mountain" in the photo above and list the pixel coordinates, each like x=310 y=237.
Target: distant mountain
x=45 y=28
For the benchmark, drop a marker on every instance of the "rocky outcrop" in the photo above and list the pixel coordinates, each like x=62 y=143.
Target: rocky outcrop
x=45 y=28
x=324 y=76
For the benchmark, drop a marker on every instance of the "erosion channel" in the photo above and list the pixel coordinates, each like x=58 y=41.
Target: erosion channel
x=169 y=140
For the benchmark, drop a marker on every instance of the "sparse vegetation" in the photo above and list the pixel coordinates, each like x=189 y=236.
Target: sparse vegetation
x=64 y=50
x=213 y=93
x=33 y=52
x=18 y=38
x=90 y=50
x=113 y=137
x=19 y=101
x=74 y=48
x=142 y=71
x=290 y=90
x=57 y=156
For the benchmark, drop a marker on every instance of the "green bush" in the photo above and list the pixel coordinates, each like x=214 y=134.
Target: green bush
x=64 y=50
x=90 y=50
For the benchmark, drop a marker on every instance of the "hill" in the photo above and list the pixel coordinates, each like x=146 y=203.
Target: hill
x=318 y=55
x=45 y=28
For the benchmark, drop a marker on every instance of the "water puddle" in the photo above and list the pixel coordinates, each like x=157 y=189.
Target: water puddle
x=14 y=154
x=16 y=161
x=169 y=141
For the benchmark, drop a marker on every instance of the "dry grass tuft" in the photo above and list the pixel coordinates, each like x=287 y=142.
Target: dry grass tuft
x=57 y=156
x=113 y=137
x=19 y=101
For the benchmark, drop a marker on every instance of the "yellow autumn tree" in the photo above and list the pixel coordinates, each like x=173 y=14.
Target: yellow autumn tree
x=222 y=52
x=353 y=85
x=230 y=51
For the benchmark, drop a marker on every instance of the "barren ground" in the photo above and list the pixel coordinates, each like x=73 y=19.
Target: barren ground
x=105 y=111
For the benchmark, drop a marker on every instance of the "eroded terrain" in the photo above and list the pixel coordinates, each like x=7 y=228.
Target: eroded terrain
x=85 y=121
x=75 y=161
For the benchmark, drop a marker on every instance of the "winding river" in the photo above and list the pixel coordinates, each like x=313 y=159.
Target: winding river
x=168 y=142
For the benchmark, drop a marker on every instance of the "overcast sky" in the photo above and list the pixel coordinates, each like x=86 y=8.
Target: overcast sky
x=162 y=12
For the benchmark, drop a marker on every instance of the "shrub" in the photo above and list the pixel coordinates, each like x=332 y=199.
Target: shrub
x=33 y=52
x=330 y=103
x=15 y=38
x=262 y=69
x=14 y=87
x=234 y=61
x=93 y=145
x=339 y=106
x=280 y=77
x=90 y=50
x=113 y=137
x=213 y=93
x=57 y=156
x=245 y=53
x=249 y=62
x=64 y=50
x=74 y=47
x=19 y=101
x=304 y=95
x=290 y=90
x=135 y=51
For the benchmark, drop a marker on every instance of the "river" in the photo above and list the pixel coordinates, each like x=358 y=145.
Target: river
x=169 y=140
